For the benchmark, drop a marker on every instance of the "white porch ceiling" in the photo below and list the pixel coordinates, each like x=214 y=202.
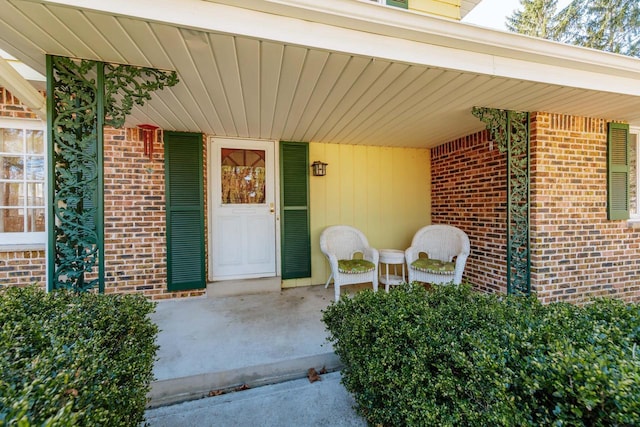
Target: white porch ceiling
x=467 y=6
x=242 y=85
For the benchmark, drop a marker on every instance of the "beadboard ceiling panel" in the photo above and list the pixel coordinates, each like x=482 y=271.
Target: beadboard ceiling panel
x=241 y=86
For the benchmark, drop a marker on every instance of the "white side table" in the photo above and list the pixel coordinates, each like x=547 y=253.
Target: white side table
x=394 y=257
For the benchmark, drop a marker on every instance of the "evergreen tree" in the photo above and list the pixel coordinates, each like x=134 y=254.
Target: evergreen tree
x=536 y=19
x=610 y=25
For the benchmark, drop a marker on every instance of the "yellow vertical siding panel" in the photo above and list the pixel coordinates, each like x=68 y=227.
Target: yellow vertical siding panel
x=418 y=209
x=426 y=161
x=359 y=188
x=386 y=186
x=318 y=212
x=332 y=181
x=344 y=203
x=372 y=186
x=446 y=8
x=401 y=197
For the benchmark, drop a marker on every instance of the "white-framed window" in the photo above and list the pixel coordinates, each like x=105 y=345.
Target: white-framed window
x=23 y=191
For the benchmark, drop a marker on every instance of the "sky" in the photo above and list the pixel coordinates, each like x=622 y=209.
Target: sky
x=493 y=13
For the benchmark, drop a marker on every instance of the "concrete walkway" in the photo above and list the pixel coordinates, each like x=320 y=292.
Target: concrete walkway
x=209 y=344
x=293 y=403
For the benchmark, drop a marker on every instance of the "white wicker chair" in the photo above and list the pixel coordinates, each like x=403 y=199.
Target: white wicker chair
x=341 y=243
x=442 y=243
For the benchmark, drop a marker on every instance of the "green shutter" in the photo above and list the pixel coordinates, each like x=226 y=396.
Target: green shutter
x=294 y=210
x=185 y=211
x=618 y=171
x=399 y=3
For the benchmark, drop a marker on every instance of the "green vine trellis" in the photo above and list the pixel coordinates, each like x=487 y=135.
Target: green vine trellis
x=510 y=129
x=83 y=96
x=126 y=85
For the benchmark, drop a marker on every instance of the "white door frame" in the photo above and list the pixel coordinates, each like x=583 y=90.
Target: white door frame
x=212 y=183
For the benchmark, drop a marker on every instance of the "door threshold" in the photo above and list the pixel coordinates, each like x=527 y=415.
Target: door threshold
x=226 y=288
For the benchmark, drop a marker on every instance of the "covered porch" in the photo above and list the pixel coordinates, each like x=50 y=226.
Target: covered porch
x=373 y=91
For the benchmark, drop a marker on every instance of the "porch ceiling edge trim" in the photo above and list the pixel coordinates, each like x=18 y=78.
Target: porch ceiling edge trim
x=358 y=28
x=418 y=26
x=22 y=89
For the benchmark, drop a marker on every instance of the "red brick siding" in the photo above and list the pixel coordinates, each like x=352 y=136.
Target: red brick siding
x=576 y=252
x=10 y=106
x=468 y=190
x=134 y=209
x=21 y=268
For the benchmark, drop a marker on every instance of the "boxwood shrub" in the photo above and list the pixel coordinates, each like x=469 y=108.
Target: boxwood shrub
x=451 y=357
x=71 y=359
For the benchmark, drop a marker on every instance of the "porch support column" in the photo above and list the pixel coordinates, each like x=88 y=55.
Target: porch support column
x=82 y=97
x=510 y=130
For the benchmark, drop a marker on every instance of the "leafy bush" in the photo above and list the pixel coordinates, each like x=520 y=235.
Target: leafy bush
x=71 y=359
x=452 y=356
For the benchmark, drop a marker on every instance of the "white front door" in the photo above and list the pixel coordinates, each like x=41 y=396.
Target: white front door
x=242 y=234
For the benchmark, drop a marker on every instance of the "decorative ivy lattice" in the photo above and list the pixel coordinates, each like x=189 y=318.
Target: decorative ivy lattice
x=510 y=130
x=76 y=113
x=126 y=85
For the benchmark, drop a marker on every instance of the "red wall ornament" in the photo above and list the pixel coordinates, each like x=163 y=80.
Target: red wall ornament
x=147 y=133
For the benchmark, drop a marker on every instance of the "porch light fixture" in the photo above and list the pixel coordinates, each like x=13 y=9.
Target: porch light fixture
x=147 y=133
x=319 y=168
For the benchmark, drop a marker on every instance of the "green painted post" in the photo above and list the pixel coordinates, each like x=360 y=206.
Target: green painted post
x=51 y=236
x=78 y=109
x=510 y=129
x=99 y=220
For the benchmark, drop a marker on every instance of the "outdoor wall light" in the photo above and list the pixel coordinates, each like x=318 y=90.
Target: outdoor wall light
x=319 y=168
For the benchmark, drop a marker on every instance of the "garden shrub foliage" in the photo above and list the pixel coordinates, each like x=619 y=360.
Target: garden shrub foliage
x=70 y=359
x=454 y=357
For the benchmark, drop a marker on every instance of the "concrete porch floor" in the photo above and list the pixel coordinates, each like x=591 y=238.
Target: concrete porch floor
x=220 y=343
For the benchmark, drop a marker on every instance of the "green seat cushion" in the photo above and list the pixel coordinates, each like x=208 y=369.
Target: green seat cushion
x=355 y=266
x=434 y=266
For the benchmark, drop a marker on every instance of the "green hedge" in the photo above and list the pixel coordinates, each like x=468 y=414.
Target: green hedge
x=74 y=359
x=453 y=357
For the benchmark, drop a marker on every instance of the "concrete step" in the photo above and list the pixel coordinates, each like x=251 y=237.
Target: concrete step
x=290 y=403
x=176 y=390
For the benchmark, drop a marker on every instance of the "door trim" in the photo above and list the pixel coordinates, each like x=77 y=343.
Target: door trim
x=212 y=181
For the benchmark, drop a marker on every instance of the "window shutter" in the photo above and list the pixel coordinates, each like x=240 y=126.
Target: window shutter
x=399 y=3
x=618 y=174
x=185 y=211
x=294 y=211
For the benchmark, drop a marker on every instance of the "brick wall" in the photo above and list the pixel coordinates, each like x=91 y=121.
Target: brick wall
x=577 y=253
x=134 y=210
x=10 y=106
x=468 y=191
x=22 y=267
